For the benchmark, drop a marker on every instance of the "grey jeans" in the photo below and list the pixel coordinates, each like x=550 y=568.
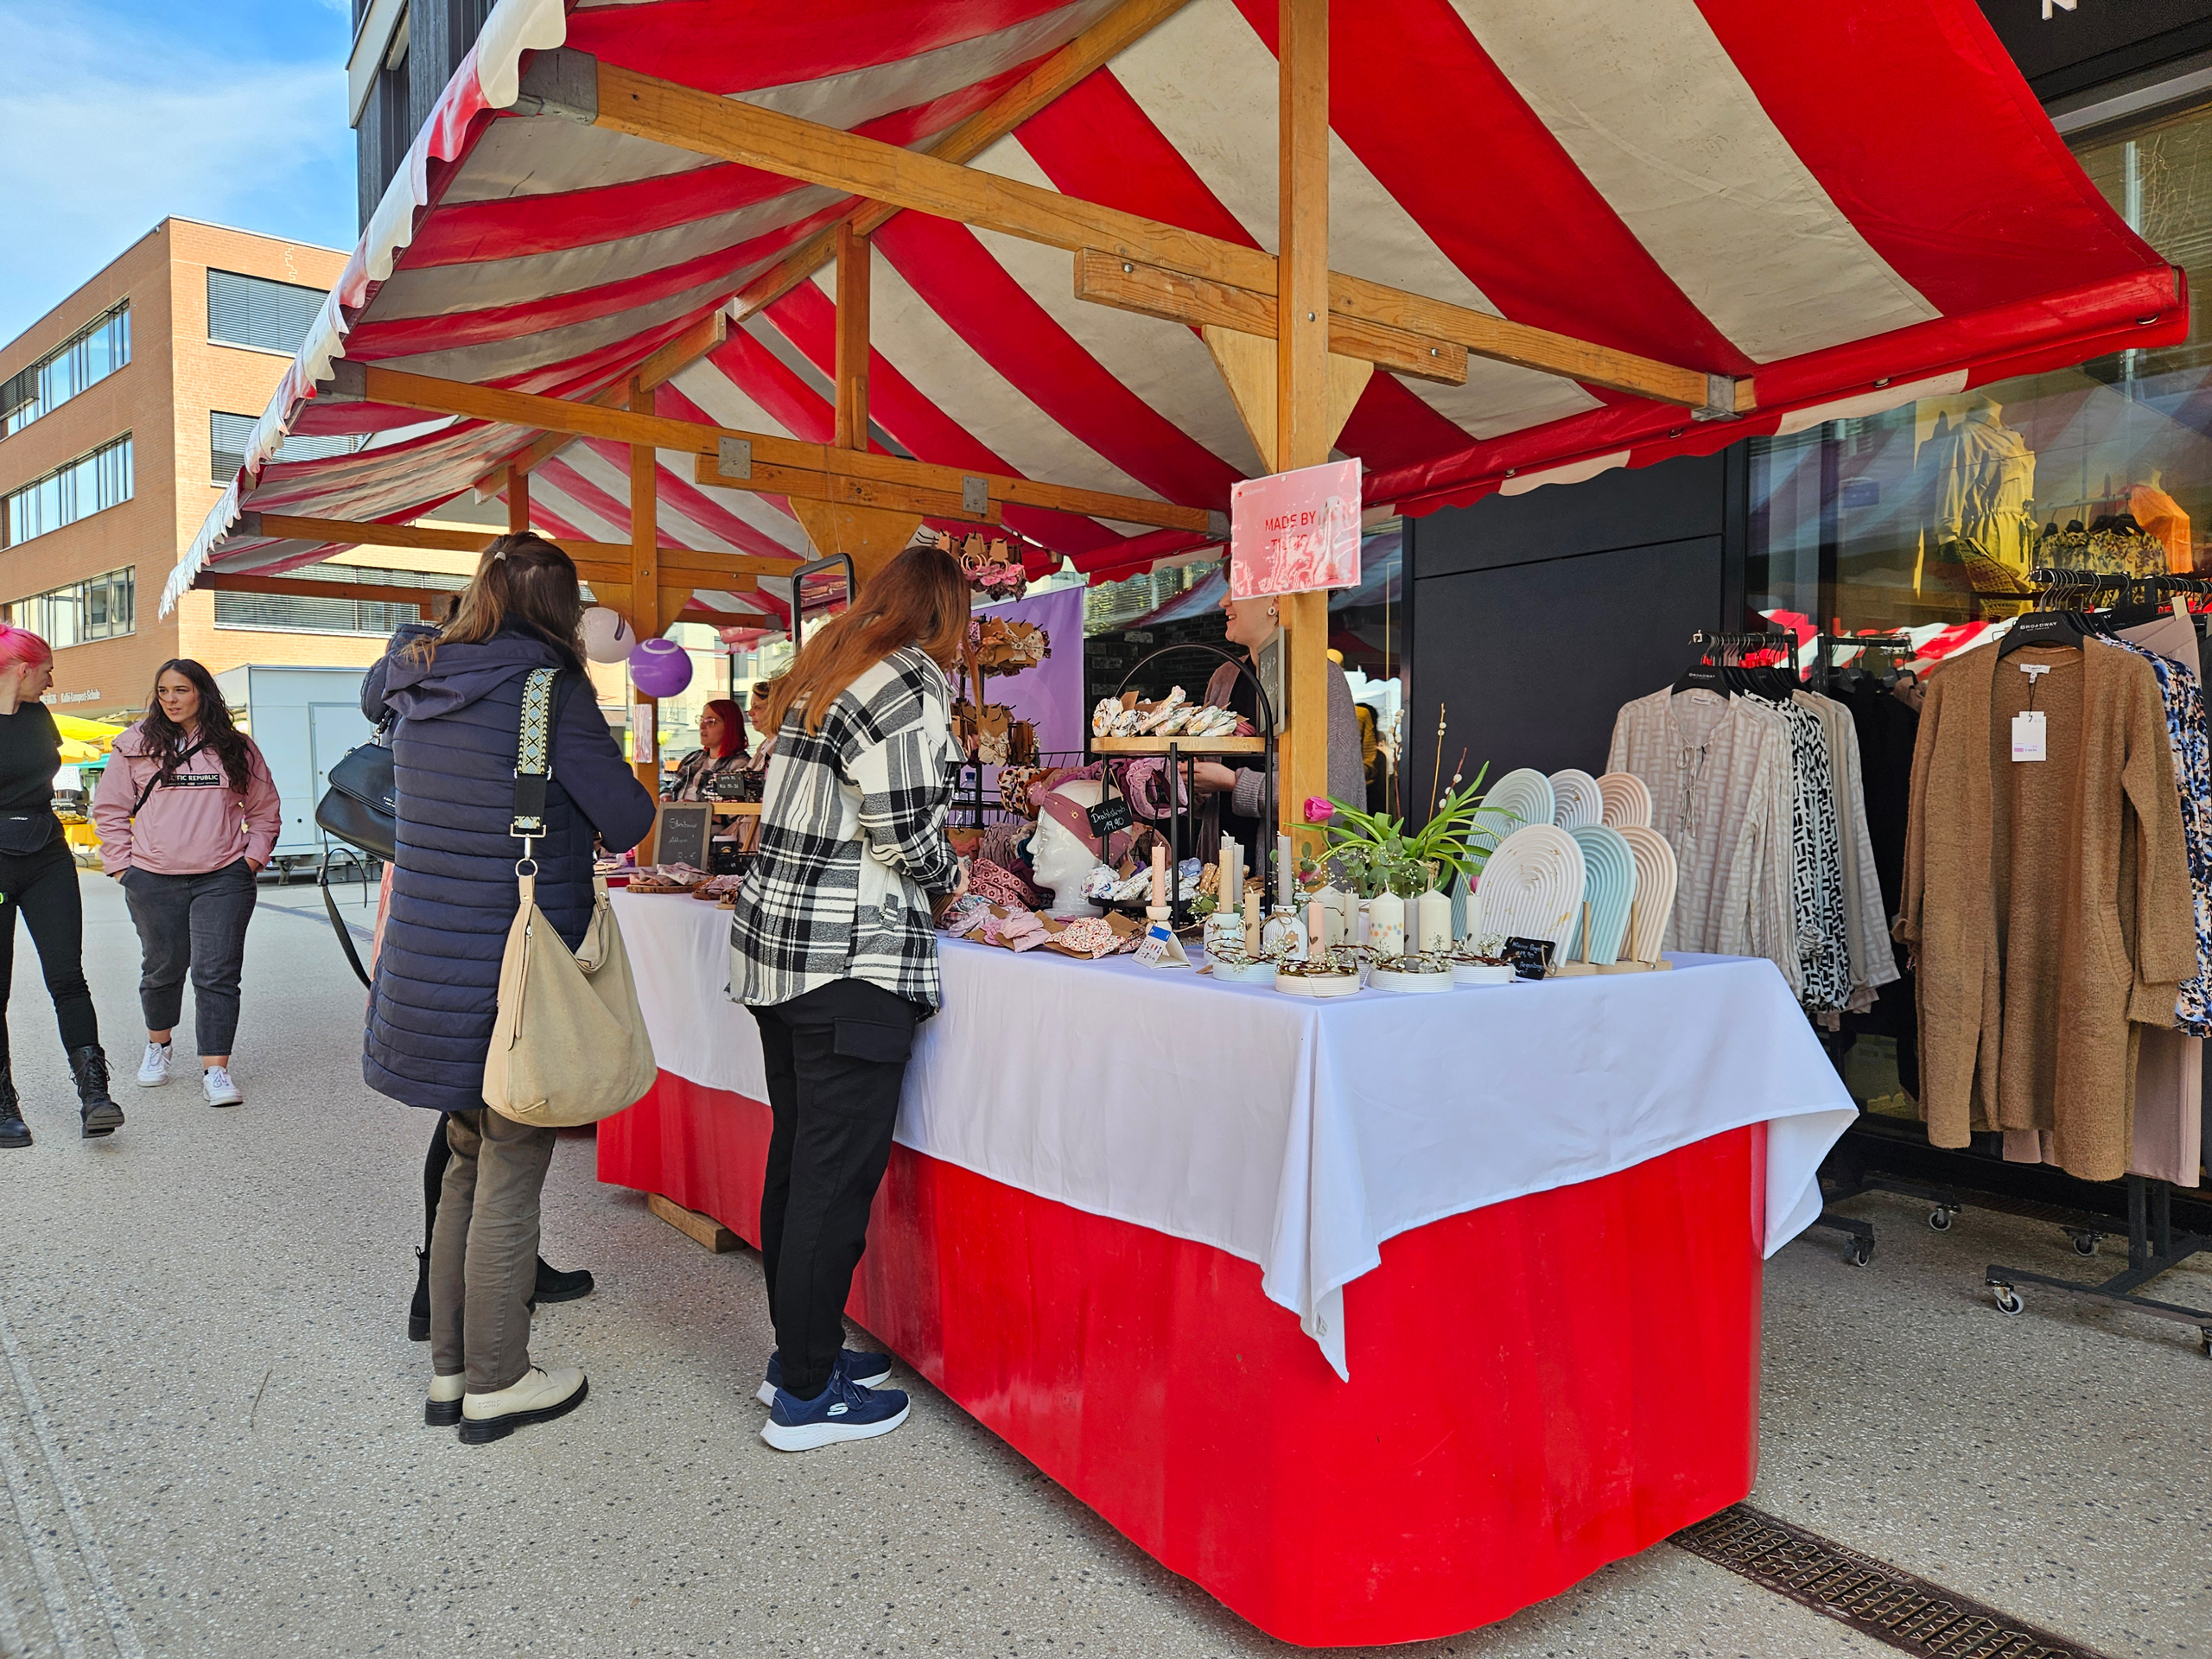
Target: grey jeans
x=196 y=924
x=484 y=1248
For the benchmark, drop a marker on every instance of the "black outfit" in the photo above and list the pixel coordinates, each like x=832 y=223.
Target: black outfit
x=1888 y=728
x=836 y=1058
x=42 y=883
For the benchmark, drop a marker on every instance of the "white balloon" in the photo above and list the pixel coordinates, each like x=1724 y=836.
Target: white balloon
x=609 y=637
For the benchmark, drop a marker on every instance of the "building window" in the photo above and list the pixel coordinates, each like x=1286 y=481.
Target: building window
x=105 y=607
x=88 y=485
x=227 y=436
x=306 y=613
x=86 y=358
x=1932 y=515
x=254 y=311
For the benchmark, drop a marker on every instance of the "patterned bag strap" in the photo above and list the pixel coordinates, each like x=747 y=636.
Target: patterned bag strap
x=533 y=757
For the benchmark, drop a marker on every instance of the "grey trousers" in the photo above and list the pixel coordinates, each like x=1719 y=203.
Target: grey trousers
x=192 y=924
x=484 y=1248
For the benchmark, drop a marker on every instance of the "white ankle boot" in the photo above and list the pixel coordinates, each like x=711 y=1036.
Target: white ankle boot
x=539 y=1397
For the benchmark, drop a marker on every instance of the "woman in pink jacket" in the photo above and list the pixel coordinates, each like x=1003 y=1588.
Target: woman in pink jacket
x=187 y=816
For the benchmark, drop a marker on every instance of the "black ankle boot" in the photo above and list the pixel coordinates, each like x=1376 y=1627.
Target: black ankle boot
x=101 y=1115
x=418 y=1311
x=554 y=1286
x=14 y=1132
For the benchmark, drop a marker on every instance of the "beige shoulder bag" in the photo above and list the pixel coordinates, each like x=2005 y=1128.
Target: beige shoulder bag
x=569 y=1046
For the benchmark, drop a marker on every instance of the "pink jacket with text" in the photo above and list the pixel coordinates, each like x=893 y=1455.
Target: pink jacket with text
x=195 y=823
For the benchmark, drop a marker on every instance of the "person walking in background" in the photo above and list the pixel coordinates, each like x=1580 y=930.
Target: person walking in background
x=832 y=948
x=455 y=890
x=187 y=816
x=552 y=1285
x=38 y=878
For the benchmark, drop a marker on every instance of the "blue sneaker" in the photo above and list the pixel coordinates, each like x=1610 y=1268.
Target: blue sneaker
x=843 y=1411
x=869 y=1370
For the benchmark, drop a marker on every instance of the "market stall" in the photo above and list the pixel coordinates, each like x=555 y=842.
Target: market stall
x=704 y=290
x=1380 y=1317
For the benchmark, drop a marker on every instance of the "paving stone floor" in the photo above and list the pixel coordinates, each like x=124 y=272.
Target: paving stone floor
x=212 y=1444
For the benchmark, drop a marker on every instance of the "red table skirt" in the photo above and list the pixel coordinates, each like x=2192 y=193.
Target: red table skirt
x=1538 y=1388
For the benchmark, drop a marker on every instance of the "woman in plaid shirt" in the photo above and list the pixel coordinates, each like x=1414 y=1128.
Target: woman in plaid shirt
x=833 y=949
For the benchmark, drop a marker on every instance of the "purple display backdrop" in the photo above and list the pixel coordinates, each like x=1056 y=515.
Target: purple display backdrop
x=1049 y=695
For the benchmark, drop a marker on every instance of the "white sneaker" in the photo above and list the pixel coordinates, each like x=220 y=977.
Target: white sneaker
x=221 y=1092
x=154 y=1069
x=540 y=1397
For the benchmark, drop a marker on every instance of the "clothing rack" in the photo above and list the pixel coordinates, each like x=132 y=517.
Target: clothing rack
x=1735 y=646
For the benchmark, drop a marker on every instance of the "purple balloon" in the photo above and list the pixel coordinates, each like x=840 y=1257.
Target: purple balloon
x=660 y=668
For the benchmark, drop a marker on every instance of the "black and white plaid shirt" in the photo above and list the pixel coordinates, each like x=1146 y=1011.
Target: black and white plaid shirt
x=852 y=843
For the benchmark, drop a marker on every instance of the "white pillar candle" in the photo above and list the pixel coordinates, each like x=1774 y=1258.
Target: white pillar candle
x=1386 y=925
x=1251 y=922
x=1282 y=872
x=1432 y=921
x=1159 y=874
x=1317 y=924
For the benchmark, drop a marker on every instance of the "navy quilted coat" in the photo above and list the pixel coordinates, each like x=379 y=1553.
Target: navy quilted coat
x=454 y=890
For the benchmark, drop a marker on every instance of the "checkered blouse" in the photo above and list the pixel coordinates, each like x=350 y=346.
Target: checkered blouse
x=852 y=843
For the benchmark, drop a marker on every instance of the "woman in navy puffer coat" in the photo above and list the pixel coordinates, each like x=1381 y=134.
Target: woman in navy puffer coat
x=458 y=701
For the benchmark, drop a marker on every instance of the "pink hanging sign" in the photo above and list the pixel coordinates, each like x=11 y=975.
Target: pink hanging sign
x=1293 y=533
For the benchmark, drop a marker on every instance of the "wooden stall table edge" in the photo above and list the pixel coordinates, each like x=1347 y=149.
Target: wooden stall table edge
x=1602 y=1391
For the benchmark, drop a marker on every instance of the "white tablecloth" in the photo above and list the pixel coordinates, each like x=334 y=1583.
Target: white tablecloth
x=1295 y=1133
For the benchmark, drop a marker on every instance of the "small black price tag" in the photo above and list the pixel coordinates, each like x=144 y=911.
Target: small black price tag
x=1531 y=958
x=1110 y=815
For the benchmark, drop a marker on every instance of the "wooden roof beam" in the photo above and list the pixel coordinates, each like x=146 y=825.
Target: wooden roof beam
x=574 y=85
x=760 y=462
x=608 y=555
x=1067 y=67
x=703 y=336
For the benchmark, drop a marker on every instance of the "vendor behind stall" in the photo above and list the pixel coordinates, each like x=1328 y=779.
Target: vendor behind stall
x=722 y=750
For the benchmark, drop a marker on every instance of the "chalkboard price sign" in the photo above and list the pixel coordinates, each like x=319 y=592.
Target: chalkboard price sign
x=683 y=834
x=1531 y=958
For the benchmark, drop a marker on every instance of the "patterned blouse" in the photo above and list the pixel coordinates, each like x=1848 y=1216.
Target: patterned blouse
x=1816 y=861
x=2184 y=702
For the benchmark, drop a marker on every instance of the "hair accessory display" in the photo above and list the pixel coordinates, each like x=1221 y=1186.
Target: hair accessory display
x=1532 y=887
x=1576 y=799
x=1655 y=890
x=1609 y=890
x=1628 y=800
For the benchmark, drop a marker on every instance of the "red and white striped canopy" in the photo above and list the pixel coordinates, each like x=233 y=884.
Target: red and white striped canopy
x=1858 y=202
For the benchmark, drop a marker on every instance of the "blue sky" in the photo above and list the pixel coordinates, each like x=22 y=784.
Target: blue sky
x=116 y=113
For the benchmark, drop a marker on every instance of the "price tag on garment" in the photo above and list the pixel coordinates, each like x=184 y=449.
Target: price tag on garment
x=2028 y=736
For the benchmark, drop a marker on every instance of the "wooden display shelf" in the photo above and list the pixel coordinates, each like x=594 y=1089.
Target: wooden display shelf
x=736 y=809
x=1195 y=746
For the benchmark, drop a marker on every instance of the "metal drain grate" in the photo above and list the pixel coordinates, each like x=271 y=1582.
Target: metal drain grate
x=1871 y=1597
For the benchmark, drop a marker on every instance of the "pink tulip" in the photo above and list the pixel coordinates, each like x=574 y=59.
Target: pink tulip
x=1318 y=810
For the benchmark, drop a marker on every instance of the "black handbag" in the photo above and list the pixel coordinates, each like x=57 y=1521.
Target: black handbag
x=25 y=833
x=361 y=806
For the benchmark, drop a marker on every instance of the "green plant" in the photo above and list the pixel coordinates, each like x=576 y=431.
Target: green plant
x=1373 y=850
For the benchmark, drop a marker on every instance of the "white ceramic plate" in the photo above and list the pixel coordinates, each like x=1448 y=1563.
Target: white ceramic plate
x=1532 y=888
x=1576 y=799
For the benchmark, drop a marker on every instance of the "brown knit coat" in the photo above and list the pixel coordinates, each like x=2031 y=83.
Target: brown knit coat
x=2048 y=902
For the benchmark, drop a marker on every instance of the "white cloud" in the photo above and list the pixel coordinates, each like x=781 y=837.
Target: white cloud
x=108 y=128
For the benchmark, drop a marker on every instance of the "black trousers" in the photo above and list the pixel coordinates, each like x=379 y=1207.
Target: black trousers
x=42 y=887
x=836 y=1059
x=196 y=925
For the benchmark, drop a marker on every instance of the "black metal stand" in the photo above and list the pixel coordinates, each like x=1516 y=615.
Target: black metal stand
x=2153 y=1247
x=1858 y=1235
x=1182 y=773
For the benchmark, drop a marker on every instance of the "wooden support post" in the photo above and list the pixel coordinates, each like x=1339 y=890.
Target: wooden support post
x=852 y=338
x=518 y=499
x=644 y=584
x=1303 y=432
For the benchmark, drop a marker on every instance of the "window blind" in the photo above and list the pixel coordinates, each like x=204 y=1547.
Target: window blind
x=255 y=311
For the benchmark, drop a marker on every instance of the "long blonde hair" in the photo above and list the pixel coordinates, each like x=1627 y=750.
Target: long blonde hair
x=524 y=577
x=919 y=598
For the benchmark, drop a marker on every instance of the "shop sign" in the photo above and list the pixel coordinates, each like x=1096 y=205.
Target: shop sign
x=1294 y=532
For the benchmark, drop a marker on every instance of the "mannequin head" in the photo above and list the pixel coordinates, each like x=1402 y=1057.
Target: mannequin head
x=1062 y=859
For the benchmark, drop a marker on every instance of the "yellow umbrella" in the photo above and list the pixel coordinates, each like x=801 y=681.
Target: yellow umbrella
x=75 y=751
x=98 y=733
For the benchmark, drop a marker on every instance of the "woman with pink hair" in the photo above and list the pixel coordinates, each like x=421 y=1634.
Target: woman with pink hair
x=38 y=878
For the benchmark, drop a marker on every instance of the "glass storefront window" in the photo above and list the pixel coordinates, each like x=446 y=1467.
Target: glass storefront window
x=1934 y=513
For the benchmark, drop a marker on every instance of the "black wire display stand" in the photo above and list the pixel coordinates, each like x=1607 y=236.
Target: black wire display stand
x=1183 y=754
